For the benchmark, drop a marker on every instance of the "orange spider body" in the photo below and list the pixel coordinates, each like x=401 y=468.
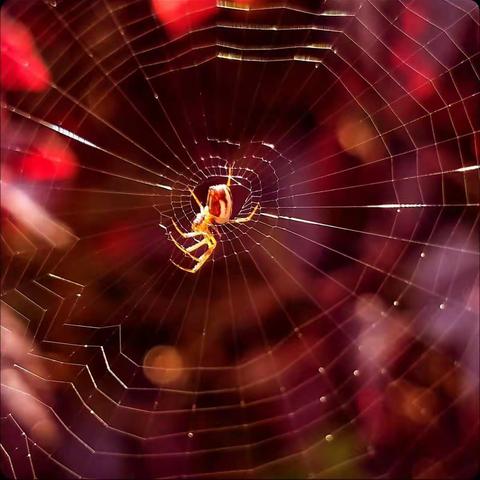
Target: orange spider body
x=218 y=209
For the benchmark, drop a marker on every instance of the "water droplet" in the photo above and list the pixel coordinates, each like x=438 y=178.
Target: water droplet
x=442 y=306
x=323 y=399
x=321 y=370
x=329 y=437
x=395 y=303
x=356 y=373
x=422 y=254
x=190 y=434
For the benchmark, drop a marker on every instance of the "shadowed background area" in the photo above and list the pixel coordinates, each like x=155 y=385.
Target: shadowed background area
x=335 y=335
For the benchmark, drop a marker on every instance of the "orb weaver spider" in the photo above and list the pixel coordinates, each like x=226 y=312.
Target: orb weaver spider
x=218 y=210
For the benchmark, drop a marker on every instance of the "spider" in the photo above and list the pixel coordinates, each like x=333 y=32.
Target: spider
x=218 y=210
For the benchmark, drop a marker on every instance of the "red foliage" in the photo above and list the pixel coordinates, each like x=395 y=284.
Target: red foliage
x=21 y=65
x=49 y=159
x=23 y=69
x=179 y=16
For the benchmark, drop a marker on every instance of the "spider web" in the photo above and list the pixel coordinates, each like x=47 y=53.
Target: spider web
x=335 y=334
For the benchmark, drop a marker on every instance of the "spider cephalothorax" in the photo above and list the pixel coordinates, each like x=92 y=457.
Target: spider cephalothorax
x=218 y=210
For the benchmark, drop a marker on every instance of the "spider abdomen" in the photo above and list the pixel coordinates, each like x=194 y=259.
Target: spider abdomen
x=219 y=202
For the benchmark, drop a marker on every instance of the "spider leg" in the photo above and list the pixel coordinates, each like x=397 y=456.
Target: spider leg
x=248 y=217
x=199 y=203
x=189 y=270
x=186 y=235
x=205 y=241
x=177 y=228
x=201 y=260
x=229 y=178
x=184 y=250
x=195 y=269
